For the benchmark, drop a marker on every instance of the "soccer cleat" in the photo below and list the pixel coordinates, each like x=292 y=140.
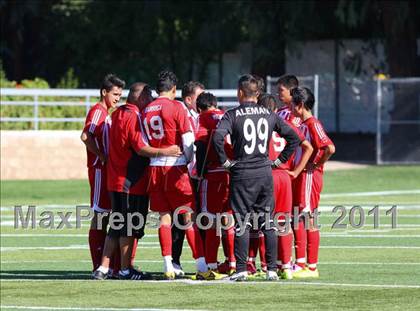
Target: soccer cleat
x=223 y=267
x=296 y=268
x=285 y=274
x=271 y=276
x=134 y=275
x=306 y=273
x=170 y=275
x=178 y=270
x=99 y=275
x=210 y=275
x=239 y=276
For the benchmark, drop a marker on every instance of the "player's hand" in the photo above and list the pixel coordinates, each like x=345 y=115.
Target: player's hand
x=311 y=167
x=172 y=151
x=228 y=165
x=292 y=174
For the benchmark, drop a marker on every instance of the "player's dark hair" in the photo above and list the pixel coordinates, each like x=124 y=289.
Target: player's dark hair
x=145 y=95
x=206 y=100
x=189 y=88
x=109 y=81
x=166 y=81
x=248 y=85
x=268 y=101
x=288 y=81
x=260 y=83
x=303 y=95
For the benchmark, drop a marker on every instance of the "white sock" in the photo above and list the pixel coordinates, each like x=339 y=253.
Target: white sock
x=176 y=266
x=103 y=269
x=232 y=264
x=201 y=264
x=212 y=266
x=286 y=266
x=312 y=265
x=167 y=264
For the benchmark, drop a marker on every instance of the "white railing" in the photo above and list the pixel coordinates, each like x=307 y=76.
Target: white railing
x=227 y=98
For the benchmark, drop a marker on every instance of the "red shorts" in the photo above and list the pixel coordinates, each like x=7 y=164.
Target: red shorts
x=307 y=189
x=169 y=188
x=214 y=193
x=282 y=191
x=99 y=196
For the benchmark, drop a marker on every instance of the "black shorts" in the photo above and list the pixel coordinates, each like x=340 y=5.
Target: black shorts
x=132 y=216
x=250 y=197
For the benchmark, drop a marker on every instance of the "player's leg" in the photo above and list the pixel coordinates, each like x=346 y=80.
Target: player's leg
x=264 y=206
x=178 y=236
x=254 y=243
x=134 y=213
x=100 y=203
x=282 y=211
x=242 y=197
x=228 y=241
x=300 y=197
x=262 y=251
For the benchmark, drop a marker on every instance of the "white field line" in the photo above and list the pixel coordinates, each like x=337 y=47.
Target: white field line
x=370 y=193
x=90 y=308
x=80 y=247
x=227 y=282
x=355 y=263
x=326 y=235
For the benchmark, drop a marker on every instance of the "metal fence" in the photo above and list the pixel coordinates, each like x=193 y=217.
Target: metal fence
x=398 y=121
x=36 y=98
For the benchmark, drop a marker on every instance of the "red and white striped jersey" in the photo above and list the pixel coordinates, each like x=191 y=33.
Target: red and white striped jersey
x=98 y=123
x=314 y=132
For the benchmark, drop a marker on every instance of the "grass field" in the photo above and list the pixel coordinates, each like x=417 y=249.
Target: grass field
x=361 y=269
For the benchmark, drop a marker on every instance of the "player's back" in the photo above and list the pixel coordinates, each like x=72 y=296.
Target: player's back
x=164 y=122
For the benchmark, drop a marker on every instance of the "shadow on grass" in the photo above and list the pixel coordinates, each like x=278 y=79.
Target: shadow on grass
x=62 y=275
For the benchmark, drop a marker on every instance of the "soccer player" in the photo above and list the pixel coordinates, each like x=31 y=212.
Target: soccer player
x=308 y=185
x=95 y=137
x=282 y=180
x=190 y=91
x=284 y=85
x=166 y=123
x=127 y=182
x=214 y=186
x=251 y=184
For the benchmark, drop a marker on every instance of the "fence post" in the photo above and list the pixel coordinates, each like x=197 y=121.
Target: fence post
x=316 y=95
x=36 y=118
x=378 y=121
x=87 y=103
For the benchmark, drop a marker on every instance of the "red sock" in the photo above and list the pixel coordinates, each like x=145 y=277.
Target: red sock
x=212 y=245
x=285 y=248
x=253 y=244
x=133 y=252
x=96 y=246
x=261 y=249
x=194 y=241
x=165 y=240
x=300 y=243
x=230 y=241
x=115 y=263
x=313 y=248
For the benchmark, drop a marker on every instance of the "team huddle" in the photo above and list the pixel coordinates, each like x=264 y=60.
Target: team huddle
x=257 y=169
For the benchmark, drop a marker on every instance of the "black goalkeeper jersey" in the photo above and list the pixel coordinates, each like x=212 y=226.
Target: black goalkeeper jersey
x=250 y=127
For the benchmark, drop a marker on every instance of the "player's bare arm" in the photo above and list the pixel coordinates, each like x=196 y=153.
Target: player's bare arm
x=307 y=150
x=150 y=152
x=329 y=150
x=89 y=141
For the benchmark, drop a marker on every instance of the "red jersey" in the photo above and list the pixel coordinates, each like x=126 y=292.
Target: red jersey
x=126 y=169
x=314 y=132
x=277 y=145
x=165 y=121
x=287 y=115
x=207 y=124
x=97 y=123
